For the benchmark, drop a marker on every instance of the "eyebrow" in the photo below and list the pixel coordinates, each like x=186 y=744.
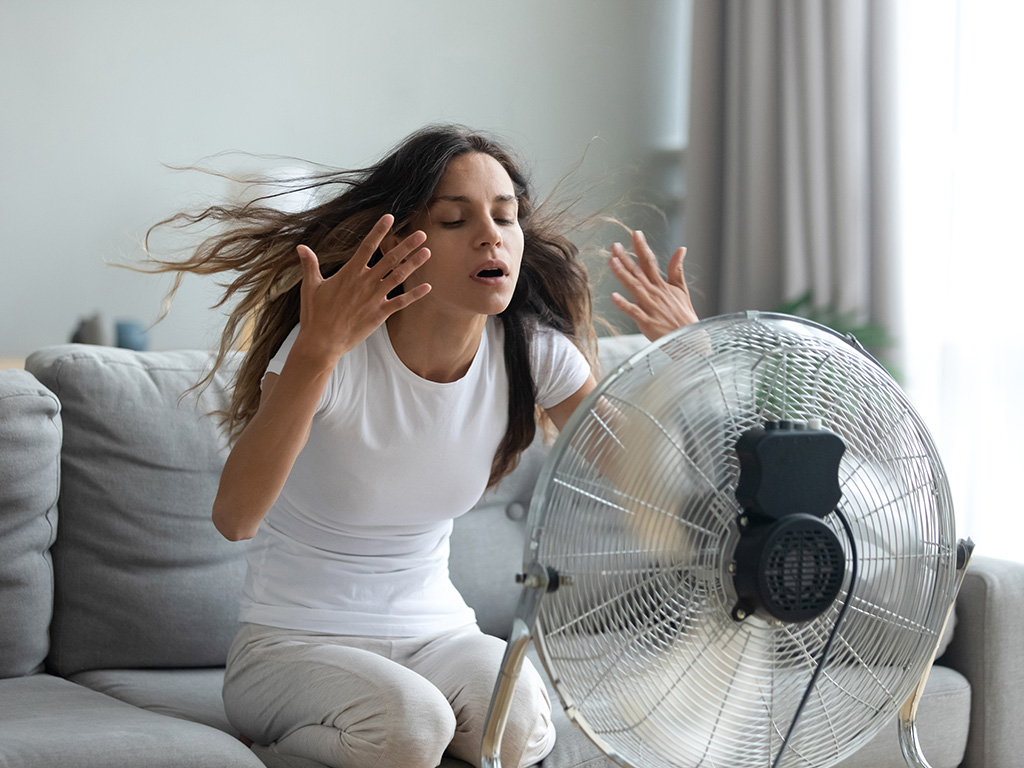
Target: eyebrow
x=464 y=199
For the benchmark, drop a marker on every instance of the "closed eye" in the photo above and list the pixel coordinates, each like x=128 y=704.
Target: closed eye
x=458 y=223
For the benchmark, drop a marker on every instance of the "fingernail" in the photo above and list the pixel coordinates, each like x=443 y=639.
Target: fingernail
x=641 y=235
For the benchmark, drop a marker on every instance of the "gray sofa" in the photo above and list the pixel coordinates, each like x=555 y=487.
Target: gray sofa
x=118 y=597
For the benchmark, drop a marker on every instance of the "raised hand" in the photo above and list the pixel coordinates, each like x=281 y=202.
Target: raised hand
x=340 y=311
x=660 y=304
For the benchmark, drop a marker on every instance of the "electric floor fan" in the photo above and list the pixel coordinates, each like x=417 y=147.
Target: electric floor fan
x=740 y=553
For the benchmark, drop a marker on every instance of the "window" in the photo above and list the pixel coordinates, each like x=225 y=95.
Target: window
x=961 y=177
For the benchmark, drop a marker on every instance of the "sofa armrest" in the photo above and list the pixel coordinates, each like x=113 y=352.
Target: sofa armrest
x=986 y=649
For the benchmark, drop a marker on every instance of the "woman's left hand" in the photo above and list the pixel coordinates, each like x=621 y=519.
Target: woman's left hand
x=660 y=305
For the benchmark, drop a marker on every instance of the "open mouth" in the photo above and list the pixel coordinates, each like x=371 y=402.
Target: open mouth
x=490 y=273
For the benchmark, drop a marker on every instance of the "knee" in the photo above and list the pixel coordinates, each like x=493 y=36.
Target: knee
x=399 y=728
x=419 y=730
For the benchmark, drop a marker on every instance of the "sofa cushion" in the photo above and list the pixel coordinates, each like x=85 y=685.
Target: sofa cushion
x=189 y=694
x=143 y=579
x=943 y=721
x=30 y=433
x=987 y=650
x=51 y=722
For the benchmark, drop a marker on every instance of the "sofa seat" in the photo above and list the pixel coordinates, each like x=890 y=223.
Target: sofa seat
x=49 y=721
x=188 y=694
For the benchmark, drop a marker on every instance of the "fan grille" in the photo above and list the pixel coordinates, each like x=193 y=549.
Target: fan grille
x=637 y=505
x=802 y=570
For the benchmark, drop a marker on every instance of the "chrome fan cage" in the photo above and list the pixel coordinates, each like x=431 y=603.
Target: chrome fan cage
x=635 y=520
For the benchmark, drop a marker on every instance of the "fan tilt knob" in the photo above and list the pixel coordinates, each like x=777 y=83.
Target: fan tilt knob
x=789 y=564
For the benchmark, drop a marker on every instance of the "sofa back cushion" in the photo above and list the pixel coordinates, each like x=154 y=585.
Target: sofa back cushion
x=143 y=579
x=30 y=437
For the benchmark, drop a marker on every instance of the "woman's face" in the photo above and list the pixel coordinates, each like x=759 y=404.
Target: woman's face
x=474 y=237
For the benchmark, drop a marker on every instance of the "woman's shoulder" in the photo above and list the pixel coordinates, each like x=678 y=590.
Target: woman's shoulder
x=546 y=339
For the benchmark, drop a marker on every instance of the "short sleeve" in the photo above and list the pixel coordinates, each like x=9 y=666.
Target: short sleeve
x=277 y=361
x=559 y=368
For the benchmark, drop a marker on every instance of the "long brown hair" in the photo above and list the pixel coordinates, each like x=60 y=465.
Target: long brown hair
x=256 y=243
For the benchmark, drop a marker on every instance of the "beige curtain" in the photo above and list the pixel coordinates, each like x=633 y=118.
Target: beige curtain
x=790 y=174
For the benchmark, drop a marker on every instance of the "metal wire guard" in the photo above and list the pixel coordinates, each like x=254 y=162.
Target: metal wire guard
x=636 y=510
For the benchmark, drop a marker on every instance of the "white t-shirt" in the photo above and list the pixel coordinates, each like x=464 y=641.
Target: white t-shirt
x=357 y=542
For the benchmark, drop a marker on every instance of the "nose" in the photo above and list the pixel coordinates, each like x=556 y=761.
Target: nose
x=489 y=234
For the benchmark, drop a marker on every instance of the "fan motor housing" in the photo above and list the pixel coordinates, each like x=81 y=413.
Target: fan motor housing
x=789 y=570
x=788 y=563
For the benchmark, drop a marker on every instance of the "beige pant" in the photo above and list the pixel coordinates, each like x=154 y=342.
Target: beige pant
x=379 y=702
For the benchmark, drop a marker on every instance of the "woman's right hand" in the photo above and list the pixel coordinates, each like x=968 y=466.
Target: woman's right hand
x=340 y=311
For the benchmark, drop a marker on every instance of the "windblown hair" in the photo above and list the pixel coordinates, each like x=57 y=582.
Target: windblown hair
x=256 y=244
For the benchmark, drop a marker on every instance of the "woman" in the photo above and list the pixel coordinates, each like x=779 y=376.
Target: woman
x=390 y=380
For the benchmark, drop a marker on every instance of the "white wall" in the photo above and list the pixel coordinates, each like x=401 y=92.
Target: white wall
x=96 y=96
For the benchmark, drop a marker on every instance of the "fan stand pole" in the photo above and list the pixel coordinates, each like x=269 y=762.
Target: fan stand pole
x=910 y=744
x=535 y=582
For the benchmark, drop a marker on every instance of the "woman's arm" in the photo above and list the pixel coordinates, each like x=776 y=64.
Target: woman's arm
x=263 y=455
x=605 y=457
x=336 y=314
x=560 y=413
